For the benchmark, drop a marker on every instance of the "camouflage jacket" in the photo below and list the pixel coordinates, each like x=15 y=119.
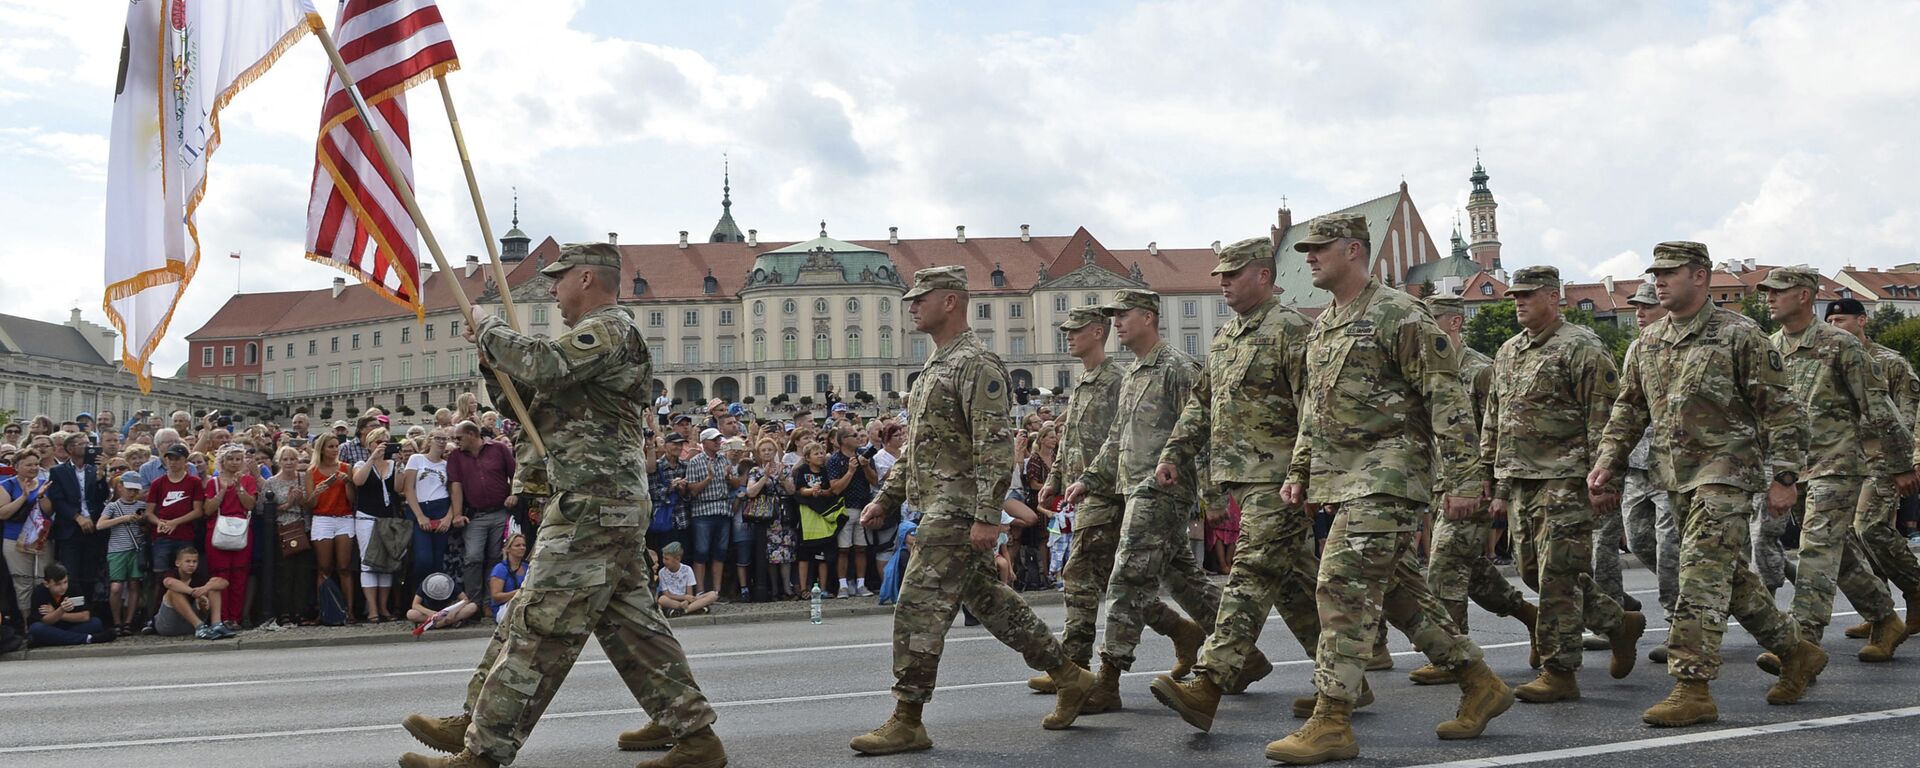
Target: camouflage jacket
x=1716 y=395
x=1476 y=370
x=1853 y=427
x=589 y=391
x=958 y=458
x=1245 y=404
x=1902 y=384
x=1385 y=398
x=1152 y=395
x=1088 y=419
x=1552 y=392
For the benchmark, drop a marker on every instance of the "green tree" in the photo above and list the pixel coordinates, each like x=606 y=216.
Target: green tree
x=1754 y=305
x=1884 y=317
x=1616 y=336
x=1492 y=326
x=1904 y=337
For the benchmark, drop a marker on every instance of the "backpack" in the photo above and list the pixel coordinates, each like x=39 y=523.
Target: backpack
x=333 y=607
x=1029 y=571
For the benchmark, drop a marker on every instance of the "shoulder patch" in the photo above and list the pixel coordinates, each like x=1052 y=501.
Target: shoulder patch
x=993 y=388
x=585 y=340
x=1439 y=343
x=1612 y=377
x=1773 y=360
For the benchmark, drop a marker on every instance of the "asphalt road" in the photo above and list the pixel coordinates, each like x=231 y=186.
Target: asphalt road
x=793 y=694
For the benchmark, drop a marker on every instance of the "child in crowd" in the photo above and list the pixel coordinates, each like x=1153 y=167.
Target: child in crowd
x=679 y=588
x=508 y=574
x=434 y=598
x=59 y=618
x=191 y=600
x=125 y=539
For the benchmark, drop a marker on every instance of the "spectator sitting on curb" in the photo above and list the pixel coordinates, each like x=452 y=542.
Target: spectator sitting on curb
x=191 y=599
x=434 y=598
x=679 y=588
x=60 y=618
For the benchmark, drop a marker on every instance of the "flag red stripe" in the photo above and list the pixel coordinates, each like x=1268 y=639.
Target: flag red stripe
x=340 y=104
x=390 y=34
x=353 y=10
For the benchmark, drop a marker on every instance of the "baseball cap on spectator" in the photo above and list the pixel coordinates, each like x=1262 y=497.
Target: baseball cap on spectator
x=716 y=404
x=1846 y=307
x=84 y=415
x=342 y=424
x=787 y=426
x=736 y=409
x=682 y=418
x=733 y=444
x=839 y=407
x=177 y=449
x=709 y=434
x=132 y=480
x=676 y=438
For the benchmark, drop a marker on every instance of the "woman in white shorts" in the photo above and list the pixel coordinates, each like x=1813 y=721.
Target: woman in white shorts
x=329 y=491
x=375 y=497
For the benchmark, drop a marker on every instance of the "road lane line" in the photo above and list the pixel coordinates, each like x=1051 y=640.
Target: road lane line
x=1684 y=739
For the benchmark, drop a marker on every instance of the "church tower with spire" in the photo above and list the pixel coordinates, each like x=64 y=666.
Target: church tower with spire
x=1483 y=240
x=513 y=247
x=725 y=231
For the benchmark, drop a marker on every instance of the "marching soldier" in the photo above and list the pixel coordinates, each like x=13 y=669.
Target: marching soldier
x=1874 y=520
x=1854 y=433
x=1715 y=392
x=1245 y=412
x=1385 y=390
x=1553 y=386
x=1651 y=530
x=1089 y=416
x=955 y=470
x=1153 y=528
x=590 y=571
x=1458 y=568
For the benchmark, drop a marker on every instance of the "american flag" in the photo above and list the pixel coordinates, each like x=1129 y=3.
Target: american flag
x=355 y=220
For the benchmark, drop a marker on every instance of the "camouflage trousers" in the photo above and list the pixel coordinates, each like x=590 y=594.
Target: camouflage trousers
x=1715 y=581
x=1769 y=555
x=1652 y=533
x=1886 y=549
x=1369 y=574
x=1089 y=567
x=1273 y=567
x=1831 y=556
x=1608 y=531
x=1153 y=543
x=945 y=573
x=1552 y=526
x=1459 y=569
x=588 y=575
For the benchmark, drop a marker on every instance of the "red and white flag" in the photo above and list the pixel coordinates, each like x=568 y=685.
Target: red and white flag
x=355 y=220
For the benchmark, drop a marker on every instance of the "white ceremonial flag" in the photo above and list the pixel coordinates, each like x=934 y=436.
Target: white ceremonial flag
x=181 y=61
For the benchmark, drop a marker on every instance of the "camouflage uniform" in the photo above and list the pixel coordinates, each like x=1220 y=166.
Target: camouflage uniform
x=1458 y=568
x=1551 y=394
x=1715 y=391
x=1245 y=412
x=1854 y=433
x=589 y=573
x=1769 y=555
x=1385 y=390
x=1873 y=521
x=1652 y=532
x=1096 y=531
x=955 y=470
x=1153 y=530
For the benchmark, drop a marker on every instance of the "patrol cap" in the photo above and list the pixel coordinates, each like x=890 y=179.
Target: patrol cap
x=952 y=277
x=1674 y=254
x=1644 y=295
x=1783 y=278
x=1534 y=278
x=1240 y=254
x=1846 y=307
x=1442 y=306
x=583 y=255
x=1081 y=317
x=1331 y=227
x=1132 y=298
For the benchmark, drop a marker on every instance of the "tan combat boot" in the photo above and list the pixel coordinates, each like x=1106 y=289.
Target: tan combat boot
x=1861 y=630
x=446 y=734
x=1429 y=674
x=1303 y=706
x=1888 y=633
x=1075 y=685
x=1768 y=663
x=1194 y=700
x=1913 y=616
x=1382 y=659
x=1801 y=666
x=464 y=759
x=1482 y=698
x=1622 y=640
x=1256 y=668
x=698 y=750
x=1041 y=683
x=1690 y=703
x=1552 y=685
x=650 y=737
x=1529 y=615
x=1106 y=692
x=1658 y=655
x=1187 y=639
x=1328 y=735
x=902 y=732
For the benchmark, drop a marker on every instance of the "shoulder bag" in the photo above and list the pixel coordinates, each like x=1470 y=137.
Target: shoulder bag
x=230 y=533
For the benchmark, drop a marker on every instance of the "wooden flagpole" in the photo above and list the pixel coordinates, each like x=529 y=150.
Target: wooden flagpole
x=405 y=190
x=479 y=209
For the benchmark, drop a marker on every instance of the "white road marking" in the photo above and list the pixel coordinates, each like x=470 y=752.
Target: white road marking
x=1678 y=740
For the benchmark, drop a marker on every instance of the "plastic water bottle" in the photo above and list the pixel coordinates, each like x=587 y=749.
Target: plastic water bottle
x=813 y=604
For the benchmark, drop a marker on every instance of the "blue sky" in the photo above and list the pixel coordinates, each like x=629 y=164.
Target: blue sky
x=1773 y=131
